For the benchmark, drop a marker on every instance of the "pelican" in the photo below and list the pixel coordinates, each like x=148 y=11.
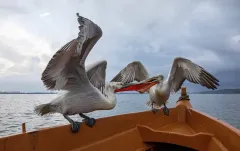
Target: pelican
x=84 y=87
x=159 y=92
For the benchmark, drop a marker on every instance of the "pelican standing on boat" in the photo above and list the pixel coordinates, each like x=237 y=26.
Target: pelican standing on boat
x=85 y=88
x=182 y=69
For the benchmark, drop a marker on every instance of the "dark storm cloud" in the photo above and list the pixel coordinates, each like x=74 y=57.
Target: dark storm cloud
x=154 y=32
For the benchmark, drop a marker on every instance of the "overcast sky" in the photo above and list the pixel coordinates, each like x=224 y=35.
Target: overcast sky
x=154 y=32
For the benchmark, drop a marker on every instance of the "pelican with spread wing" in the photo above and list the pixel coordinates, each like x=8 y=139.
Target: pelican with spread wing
x=85 y=88
x=182 y=69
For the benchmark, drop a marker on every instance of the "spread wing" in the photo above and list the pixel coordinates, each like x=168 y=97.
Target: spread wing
x=183 y=69
x=66 y=68
x=134 y=71
x=96 y=73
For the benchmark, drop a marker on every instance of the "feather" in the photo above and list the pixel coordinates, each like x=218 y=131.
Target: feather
x=184 y=69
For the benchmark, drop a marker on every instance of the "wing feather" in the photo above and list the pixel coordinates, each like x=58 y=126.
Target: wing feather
x=54 y=70
x=96 y=73
x=66 y=67
x=183 y=69
x=133 y=71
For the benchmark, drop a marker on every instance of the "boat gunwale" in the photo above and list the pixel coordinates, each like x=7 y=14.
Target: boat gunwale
x=68 y=125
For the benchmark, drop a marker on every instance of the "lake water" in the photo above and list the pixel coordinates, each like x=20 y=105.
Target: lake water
x=16 y=109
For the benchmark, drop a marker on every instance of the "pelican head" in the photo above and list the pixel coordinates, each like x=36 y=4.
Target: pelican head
x=142 y=86
x=158 y=78
x=115 y=85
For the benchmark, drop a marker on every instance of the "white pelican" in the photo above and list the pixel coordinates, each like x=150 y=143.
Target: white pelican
x=182 y=69
x=85 y=88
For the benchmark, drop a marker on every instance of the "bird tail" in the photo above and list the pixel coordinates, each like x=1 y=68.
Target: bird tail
x=149 y=103
x=45 y=109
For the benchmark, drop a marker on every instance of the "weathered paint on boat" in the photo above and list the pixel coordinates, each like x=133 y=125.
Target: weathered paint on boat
x=134 y=132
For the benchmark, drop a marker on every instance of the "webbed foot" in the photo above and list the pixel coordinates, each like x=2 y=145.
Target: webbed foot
x=154 y=110
x=75 y=127
x=89 y=121
x=165 y=110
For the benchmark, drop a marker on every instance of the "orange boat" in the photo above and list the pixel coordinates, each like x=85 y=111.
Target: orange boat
x=185 y=129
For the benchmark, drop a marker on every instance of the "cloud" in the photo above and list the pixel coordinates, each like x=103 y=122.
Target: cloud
x=20 y=47
x=44 y=14
x=154 y=32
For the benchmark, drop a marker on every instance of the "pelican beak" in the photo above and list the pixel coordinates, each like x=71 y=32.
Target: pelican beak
x=141 y=87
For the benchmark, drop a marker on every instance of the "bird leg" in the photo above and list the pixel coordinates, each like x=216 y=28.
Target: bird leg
x=75 y=125
x=165 y=110
x=154 y=110
x=89 y=121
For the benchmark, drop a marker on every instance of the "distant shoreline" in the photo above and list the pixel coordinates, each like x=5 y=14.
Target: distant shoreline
x=28 y=93
x=222 y=91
